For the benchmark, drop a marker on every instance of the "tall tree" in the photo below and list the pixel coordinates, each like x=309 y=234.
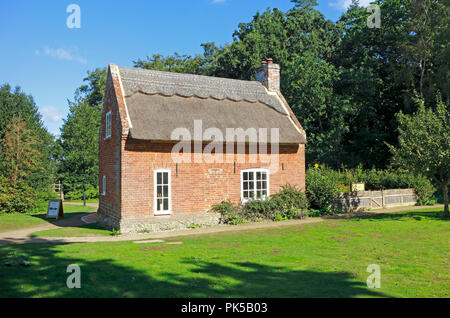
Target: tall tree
x=77 y=149
x=20 y=151
x=383 y=68
x=424 y=145
x=16 y=104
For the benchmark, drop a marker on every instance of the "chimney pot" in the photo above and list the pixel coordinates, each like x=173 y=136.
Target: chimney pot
x=269 y=75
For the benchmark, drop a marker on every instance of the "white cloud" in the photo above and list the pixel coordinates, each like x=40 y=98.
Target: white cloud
x=51 y=114
x=61 y=54
x=344 y=4
x=52 y=118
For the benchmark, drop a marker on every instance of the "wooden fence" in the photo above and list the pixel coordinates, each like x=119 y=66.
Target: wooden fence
x=376 y=199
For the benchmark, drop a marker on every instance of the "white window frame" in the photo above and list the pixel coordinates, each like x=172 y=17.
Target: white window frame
x=104 y=185
x=244 y=200
x=108 y=125
x=155 y=192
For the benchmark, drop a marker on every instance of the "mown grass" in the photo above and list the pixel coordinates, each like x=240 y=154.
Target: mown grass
x=14 y=221
x=327 y=259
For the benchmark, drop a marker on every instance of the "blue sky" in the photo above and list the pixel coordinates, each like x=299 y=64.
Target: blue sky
x=49 y=60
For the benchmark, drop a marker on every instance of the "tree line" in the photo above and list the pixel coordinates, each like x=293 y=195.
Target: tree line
x=346 y=82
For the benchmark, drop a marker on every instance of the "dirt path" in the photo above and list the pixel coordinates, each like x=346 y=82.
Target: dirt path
x=22 y=236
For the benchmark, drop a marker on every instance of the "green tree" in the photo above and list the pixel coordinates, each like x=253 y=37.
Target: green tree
x=21 y=157
x=77 y=147
x=173 y=63
x=424 y=145
x=302 y=41
x=20 y=151
x=383 y=68
x=15 y=104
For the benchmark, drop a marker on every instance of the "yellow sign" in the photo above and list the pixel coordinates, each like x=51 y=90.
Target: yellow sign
x=358 y=186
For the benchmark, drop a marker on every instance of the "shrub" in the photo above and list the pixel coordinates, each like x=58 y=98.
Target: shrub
x=289 y=203
x=229 y=213
x=323 y=184
x=321 y=187
x=91 y=193
x=16 y=198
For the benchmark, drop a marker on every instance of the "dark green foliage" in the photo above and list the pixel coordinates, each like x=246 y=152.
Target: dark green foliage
x=323 y=184
x=230 y=213
x=424 y=145
x=77 y=151
x=90 y=191
x=16 y=104
x=16 y=197
x=321 y=187
x=289 y=203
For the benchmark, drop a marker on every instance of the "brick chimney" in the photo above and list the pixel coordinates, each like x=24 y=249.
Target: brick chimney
x=269 y=75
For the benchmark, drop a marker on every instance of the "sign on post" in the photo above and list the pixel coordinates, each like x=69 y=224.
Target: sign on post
x=55 y=209
x=358 y=186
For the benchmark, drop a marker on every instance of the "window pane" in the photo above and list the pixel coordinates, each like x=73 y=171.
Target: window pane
x=251 y=185
x=263 y=176
x=166 y=191
x=159 y=177
x=258 y=194
x=258 y=175
x=158 y=207
x=258 y=185
x=166 y=204
x=245 y=194
x=245 y=185
x=245 y=176
x=166 y=177
x=250 y=175
x=159 y=191
x=251 y=194
x=264 y=185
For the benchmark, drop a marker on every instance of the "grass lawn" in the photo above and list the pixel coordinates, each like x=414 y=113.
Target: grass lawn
x=81 y=201
x=85 y=230
x=14 y=221
x=326 y=259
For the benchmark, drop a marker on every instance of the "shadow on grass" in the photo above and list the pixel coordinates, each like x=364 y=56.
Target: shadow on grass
x=46 y=277
x=403 y=216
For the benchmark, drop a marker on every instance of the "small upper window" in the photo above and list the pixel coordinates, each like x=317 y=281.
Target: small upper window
x=104 y=185
x=108 y=125
x=254 y=184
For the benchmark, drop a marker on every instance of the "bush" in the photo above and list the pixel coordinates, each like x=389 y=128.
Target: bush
x=230 y=213
x=289 y=203
x=321 y=187
x=91 y=193
x=323 y=184
x=16 y=198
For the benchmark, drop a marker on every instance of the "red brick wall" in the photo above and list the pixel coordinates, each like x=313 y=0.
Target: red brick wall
x=197 y=186
x=109 y=155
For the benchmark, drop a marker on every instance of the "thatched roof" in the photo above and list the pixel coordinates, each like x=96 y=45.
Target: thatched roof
x=160 y=102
